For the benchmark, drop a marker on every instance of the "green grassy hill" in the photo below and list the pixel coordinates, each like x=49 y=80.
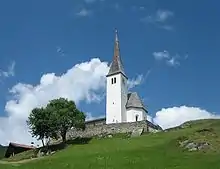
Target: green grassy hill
x=150 y=151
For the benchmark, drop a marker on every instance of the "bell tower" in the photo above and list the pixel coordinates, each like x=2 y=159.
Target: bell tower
x=116 y=89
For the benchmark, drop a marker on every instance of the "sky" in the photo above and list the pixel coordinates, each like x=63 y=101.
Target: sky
x=51 y=49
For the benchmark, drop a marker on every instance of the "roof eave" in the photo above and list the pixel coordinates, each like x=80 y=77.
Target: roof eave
x=115 y=73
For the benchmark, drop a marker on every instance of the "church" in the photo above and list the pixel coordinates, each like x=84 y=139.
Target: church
x=125 y=112
x=121 y=105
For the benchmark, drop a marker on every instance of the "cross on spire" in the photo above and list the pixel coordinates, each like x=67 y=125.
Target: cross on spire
x=116 y=35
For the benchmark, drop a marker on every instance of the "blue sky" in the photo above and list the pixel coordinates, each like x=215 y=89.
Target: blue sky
x=171 y=44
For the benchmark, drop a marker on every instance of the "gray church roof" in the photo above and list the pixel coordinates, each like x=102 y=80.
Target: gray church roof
x=116 y=65
x=134 y=101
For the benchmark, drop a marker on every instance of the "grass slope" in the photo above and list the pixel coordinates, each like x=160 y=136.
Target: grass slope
x=151 y=151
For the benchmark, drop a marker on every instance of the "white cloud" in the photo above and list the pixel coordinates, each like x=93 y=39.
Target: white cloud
x=138 y=80
x=172 y=117
x=160 y=19
x=171 y=60
x=163 y=15
x=160 y=16
x=84 y=12
x=9 y=72
x=161 y=55
x=135 y=81
x=83 y=82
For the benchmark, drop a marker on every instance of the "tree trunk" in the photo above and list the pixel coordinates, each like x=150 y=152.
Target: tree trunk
x=47 y=145
x=63 y=135
x=43 y=142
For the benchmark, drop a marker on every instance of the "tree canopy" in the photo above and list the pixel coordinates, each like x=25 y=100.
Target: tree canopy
x=55 y=119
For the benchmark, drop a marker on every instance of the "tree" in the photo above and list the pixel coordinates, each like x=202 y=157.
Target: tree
x=66 y=116
x=40 y=124
x=55 y=119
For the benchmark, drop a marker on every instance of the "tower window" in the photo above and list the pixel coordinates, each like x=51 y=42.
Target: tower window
x=113 y=80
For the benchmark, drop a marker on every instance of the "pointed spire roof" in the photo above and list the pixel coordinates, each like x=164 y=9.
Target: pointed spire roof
x=116 y=65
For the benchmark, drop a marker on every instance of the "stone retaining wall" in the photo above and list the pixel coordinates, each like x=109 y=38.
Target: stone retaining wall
x=96 y=130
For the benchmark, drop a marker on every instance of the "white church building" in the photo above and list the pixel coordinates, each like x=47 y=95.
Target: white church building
x=121 y=105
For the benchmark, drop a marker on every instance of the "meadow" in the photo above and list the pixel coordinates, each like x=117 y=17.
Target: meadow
x=150 y=151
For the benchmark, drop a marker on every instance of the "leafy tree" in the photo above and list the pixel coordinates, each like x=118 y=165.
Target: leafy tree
x=66 y=116
x=41 y=124
x=55 y=119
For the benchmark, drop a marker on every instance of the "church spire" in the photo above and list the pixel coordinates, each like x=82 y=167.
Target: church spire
x=116 y=65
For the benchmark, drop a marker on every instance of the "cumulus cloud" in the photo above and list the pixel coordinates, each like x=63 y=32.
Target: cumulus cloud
x=175 y=116
x=10 y=71
x=83 y=82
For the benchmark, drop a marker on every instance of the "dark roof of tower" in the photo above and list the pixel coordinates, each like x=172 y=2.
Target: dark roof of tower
x=116 y=65
x=134 y=101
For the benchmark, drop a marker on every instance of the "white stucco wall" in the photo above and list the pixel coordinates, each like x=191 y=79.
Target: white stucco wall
x=133 y=112
x=116 y=98
x=124 y=97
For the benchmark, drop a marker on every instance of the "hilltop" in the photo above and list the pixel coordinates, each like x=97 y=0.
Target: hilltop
x=193 y=145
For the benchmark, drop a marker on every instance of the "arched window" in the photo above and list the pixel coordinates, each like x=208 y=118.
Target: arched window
x=136 y=117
